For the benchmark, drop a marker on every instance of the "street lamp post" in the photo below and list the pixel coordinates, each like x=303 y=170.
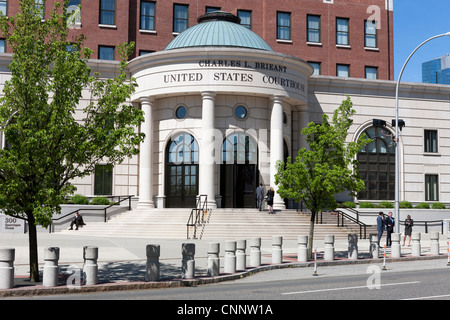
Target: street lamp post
x=397 y=158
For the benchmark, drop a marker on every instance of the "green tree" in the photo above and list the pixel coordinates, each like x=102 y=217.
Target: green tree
x=48 y=141
x=328 y=167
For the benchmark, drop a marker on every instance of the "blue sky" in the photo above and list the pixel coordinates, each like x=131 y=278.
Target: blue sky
x=414 y=22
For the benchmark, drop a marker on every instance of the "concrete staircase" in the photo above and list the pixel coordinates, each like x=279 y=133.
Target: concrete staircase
x=223 y=224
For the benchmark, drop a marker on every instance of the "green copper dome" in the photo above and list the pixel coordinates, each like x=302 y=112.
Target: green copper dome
x=218 y=29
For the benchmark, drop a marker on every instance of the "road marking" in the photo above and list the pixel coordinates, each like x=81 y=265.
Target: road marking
x=429 y=297
x=349 y=288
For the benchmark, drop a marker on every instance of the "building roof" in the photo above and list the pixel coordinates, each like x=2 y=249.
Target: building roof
x=218 y=29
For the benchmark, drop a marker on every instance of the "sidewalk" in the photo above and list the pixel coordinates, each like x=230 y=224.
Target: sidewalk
x=122 y=261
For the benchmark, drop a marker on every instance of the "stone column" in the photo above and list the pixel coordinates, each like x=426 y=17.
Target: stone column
x=241 y=259
x=276 y=146
x=152 y=267
x=255 y=252
x=207 y=148
x=90 y=267
x=7 y=256
x=374 y=249
x=353 y=246
x=277 y=250
x=188 y=262
x=146 y=157
x=329 y=248
x=213 y=263
x=230 y=257
x=395 y=247
x=415 y=247
x=434 y=243
x=302 y=249
x=51 y=269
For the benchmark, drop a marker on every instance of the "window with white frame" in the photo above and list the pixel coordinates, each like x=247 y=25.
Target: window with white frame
x=342 y=31
x=313 y=29
x=108 y=12
x=283 y=25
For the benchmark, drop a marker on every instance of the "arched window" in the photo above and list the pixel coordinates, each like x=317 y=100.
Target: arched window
x=182 y=171
x=377 y=166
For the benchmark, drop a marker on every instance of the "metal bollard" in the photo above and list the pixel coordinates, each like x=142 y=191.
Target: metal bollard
x=277 y=249
x=51 y=269
x=188 y=262
x=255 y=252
x=241 y=258
x=374 y=249
x=230 y=257
x=434 y=243
x=213 y=268
x=7 y=256
x=90 y=267
x=302 y=249
x=395 y=247
x=329 y=248
x=353 y=246
x=152 y=272
x=415 y=247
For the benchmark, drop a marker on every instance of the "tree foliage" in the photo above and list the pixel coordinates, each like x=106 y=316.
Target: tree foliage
x=48 y=141
x=328 y=167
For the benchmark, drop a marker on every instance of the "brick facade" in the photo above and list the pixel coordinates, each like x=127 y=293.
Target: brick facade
x=264 y=23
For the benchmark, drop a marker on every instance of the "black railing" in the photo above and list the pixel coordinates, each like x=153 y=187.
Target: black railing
x=104 y=210
x=197 y=216
x=342 y=217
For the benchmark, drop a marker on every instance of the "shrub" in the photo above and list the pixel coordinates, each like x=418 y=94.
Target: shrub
x=349 y=204
x=80 y=199
x=405 y=205
x=422 y=205
x=385 y=204
x=438 y=205
x=366 y=205
x=100 y=201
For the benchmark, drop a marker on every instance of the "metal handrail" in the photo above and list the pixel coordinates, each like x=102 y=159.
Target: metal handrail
x=197 y=218
x=354 y=220
x=105 y=209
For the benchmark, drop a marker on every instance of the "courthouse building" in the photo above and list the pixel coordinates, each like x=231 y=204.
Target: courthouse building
x=224 y=102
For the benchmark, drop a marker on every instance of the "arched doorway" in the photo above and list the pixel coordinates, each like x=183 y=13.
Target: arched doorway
x=182 y=171
x=239 y=173
x=377 y=165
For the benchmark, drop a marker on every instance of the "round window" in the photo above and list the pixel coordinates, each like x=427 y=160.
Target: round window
x=240 y=112
x=181 y=112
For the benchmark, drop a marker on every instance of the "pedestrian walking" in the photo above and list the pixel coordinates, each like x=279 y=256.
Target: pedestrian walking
x=259 y=196
x=270 y=195
x=390 y=223
x=408 y=229
x=380 y=226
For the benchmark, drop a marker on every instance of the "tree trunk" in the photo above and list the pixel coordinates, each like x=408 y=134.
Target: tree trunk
x=311 y=235
x=33 y=249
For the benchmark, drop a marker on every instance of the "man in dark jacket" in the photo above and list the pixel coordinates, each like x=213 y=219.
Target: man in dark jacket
x=390 y=223
x=77 y=221
x=380 y=226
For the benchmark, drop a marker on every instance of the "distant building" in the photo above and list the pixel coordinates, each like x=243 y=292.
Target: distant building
x=437 y=70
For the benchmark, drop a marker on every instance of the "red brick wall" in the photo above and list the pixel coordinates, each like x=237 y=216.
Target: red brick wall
x=264 y=15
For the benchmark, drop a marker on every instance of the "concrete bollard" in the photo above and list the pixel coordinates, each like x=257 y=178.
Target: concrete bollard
x=434 y=243
x=329 y=248
x=374 y=249
x=188 y=262
x=415 y=247
x=51 y=269
x=7 y=256
x=353 y=246
x=213 y=264
x=230 y=257
x=255 y=252
x=395 y=247
x=277 y=249
x=302 y=251
x=241 y=258
x=152 y=272
x=90 y=267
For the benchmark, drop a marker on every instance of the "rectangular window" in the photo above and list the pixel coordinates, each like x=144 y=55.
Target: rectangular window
x=283 y=25
x=342 y=31
x=108 y=12
x=40 y=8
x=372 y=73
x=431 y=141
x=180 y=17
x=431 y=187
x=212 y=9
x=343 y=70
x=246 y=18
x=147 y=15
x=2 y=45
x=74 y=12
x=313 y=29
x=4 y=7
x=370 y=34
x=103 y=180
x=105 y=53
x=316 y=66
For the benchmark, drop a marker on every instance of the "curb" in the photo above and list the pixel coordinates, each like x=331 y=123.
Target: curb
x=39 y=290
